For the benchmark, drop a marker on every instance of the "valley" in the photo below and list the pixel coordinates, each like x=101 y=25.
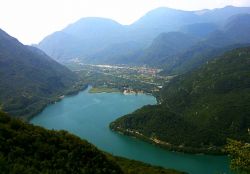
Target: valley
x=168 y=93
x=127 y=79
x=80 y=115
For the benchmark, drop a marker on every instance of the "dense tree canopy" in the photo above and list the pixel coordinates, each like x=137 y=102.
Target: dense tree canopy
x=200 y=109
x=28 y=149
x=240 y=156
x=29 y=79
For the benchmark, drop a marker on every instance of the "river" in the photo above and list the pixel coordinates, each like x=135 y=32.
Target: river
x=88 y=116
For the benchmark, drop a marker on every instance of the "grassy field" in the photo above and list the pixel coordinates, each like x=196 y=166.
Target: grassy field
x=103 y=89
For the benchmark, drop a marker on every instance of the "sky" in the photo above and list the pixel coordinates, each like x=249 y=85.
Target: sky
x=31 y=20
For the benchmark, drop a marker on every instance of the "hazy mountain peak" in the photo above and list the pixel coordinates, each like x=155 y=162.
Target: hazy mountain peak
x=161 y=10
x=161 y=13
x=201 y=12
x=230 y=6
x=93 y=21
x=90 y=23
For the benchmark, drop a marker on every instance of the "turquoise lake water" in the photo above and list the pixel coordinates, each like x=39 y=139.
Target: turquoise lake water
x=88 y=116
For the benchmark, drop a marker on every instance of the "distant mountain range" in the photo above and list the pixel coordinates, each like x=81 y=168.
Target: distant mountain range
x=165 y=47
x=29 y=79
x=235 y=32
x=99 y=40
x=200 y=109
x=82 y=39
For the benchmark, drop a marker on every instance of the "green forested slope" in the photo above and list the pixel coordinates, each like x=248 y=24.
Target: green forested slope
x=200 y=109
x=239 y=153
x=29 y=78
x=136 y=167
x=28 y=149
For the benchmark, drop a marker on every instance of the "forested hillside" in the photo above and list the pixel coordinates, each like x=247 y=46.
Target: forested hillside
x=29 y=79
x=199 y=109
x=28 y=149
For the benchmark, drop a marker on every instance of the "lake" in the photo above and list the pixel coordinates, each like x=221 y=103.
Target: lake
x=88 y=115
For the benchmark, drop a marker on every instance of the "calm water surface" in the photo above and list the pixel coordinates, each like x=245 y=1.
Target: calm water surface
x=88 y=116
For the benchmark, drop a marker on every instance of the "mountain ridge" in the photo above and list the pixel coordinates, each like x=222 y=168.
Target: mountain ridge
x=29 y=79
x=200 y=109
x=143 y=31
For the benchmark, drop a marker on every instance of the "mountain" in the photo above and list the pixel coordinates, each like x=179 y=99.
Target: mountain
x=162 y=50
x=82 y=38
x=234 y=33
x=29 y=79
x=90 y=37
x=164 y=19
x=61 y=46
x=27 y=149
x=120 y=53
x=220 y=15
x=165 y=47
x=238 y=28
x=200 y=30
x=196 y=56
x=161 y=20
x=199 y=110
x=197 y=43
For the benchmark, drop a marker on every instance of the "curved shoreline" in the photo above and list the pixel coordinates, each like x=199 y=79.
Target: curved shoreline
x=55 y=99
x=167 y=145
x=93 y=126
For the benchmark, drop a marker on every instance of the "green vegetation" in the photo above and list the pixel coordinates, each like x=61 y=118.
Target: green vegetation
x=136 y=167
x=199 y=110
x=240 y=156
x=103 y=89
x=29 y=79
x=114 y=81
x=28 y=149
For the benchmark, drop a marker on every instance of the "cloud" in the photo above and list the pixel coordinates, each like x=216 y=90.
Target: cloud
x=241 y=2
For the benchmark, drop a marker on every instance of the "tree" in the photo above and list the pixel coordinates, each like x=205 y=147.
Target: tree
x=240 y=156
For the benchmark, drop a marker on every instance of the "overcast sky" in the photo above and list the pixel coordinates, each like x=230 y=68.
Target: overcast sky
x=31 y=20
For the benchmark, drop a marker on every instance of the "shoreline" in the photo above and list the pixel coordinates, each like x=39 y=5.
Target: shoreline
x=69 y=93
x=116 y=90
x=55 y=99
x=95 y=90
x=217 y=151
